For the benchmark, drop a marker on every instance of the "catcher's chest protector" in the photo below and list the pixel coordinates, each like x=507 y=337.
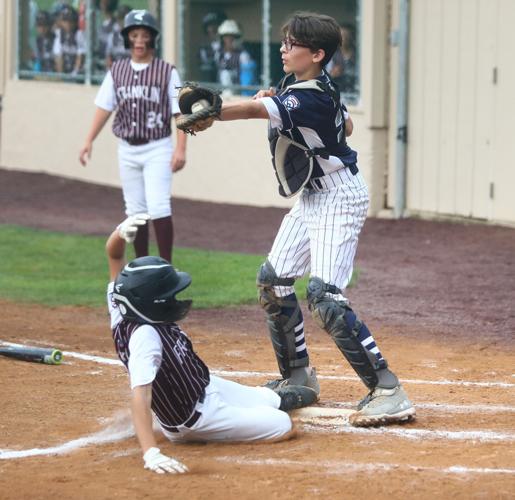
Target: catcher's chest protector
x=293 y=162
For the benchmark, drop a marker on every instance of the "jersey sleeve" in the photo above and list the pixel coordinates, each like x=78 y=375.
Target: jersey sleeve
x=293 y=109
x=146 y=353
x=106 y=96
x=173 y=91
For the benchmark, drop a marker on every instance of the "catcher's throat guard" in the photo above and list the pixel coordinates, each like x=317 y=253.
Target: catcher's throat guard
x=293 y=163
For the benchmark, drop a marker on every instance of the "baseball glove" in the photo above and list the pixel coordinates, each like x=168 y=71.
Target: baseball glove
x=200 y=106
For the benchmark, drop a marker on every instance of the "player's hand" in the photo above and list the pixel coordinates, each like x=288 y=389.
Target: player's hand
x=85 y=153
x=156 y=461
x=129 y=227
x=178 y=160
x=265 y=93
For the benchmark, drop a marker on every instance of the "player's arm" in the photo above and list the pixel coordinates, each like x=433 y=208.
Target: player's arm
x=179 y=154
x=145 y=358
x=99 y=120
x=349 y=126
x=115 y=246
x=243 y=110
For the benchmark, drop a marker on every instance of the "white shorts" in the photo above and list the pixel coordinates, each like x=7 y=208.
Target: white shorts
x=146 y=175
x=235 y=412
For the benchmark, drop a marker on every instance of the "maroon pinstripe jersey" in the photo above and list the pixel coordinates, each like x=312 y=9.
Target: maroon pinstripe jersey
x=181 y=379
x=143 y=103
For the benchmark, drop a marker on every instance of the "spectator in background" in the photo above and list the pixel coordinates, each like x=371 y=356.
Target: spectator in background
x=235 y=65
x=69 y=43
x=342 y=66
x=104 y=27
x=209 y=53
x=115 y=49
x=44 y=56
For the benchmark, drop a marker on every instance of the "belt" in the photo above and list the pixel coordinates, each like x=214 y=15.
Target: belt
x=136 y=142
x=193 y=419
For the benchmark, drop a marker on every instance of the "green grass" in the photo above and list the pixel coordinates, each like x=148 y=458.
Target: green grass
x=61 y=269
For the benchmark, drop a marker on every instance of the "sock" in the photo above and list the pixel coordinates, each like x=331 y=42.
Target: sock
x=163 y=228
x=141 y=241
x=300 y=341
x=364 y=335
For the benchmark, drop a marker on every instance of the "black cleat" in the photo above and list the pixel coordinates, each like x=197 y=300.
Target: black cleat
x=296 y=396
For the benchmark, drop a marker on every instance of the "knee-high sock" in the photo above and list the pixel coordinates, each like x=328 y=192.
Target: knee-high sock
x=141 y=241
x=164 y=236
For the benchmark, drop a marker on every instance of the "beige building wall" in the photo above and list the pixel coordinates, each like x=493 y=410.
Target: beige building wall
x=461 y=81
x=44 y=124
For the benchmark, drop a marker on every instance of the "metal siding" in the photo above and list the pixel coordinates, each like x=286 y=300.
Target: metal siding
x=503 y=175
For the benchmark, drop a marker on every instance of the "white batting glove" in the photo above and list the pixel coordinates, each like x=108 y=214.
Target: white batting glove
x=156 y=461
x=129 y=227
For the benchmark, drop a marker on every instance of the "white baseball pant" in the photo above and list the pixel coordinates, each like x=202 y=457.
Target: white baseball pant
x=235 y=412
x=320 y=233
x=146 y=176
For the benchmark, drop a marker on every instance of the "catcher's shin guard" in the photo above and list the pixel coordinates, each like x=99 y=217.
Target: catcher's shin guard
x=338 y=319
x=283 y=315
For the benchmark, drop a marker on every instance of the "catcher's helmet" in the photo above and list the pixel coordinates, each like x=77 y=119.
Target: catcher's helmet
x=145 y=291
x=229 y=27
x=139 y=19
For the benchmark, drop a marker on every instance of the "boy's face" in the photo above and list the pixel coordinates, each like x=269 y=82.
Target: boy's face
x=42 y=29
x=140 y=40
x=298 y=58
x=67 y=25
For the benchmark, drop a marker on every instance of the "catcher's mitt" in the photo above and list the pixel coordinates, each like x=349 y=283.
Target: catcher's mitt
x=200 y=106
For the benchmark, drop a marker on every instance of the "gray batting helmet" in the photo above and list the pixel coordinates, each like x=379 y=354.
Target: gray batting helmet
x=139 y=19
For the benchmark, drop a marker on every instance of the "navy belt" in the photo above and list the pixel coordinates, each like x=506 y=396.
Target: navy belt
x=193 y=419
x=137 y=142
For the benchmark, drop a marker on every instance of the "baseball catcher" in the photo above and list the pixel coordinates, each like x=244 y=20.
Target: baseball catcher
x=200 y=107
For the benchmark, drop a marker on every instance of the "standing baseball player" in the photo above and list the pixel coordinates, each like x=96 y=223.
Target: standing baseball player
x=166 y=375
x=143 y=90
x=308 y=129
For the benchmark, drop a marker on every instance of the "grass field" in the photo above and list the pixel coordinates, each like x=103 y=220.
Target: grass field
x=60 y=269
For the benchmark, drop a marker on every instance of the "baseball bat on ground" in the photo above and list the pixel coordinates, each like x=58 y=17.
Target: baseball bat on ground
x=34 y=354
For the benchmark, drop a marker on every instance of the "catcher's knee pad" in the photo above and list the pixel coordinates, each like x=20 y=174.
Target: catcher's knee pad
x=283 y=315
x=339 y=320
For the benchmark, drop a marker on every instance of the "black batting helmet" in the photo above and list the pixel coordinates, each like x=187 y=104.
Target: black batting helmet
x=68 y=13
x=139 y=19
x=213 y=18
x=145 y=291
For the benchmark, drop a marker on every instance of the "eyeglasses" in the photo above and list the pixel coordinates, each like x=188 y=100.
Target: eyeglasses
x=288 y=43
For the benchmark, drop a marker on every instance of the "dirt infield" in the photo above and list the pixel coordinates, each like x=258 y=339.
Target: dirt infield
x=438 y=296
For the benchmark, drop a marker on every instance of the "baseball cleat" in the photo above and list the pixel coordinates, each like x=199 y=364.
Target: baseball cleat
x=383 y=406
x=306 y=377
x=296 y=396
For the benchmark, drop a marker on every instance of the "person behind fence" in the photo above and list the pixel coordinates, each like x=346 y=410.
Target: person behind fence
x=69 y=44
x=105 y=23
x=167 y=377
x=234 y=61
x=115 y=49
x=44 y=56
x=342 y=66
x=209 y=53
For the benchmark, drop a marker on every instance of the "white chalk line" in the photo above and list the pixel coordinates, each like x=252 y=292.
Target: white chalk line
x=120 y=429
x=254 y=374
x=332 y=467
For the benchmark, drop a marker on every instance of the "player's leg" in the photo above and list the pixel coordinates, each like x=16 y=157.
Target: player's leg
x=334 y=225
x=133 y=187
x=158 y=179
x=288 y=260
x=235 y=412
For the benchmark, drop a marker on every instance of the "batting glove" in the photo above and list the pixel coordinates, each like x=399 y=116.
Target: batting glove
x=129 y=227
x=162 y=464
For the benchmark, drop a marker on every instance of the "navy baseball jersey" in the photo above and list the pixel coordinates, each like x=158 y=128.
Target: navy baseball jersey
x=315 y=120
x=44 y=52
x=143 y=102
